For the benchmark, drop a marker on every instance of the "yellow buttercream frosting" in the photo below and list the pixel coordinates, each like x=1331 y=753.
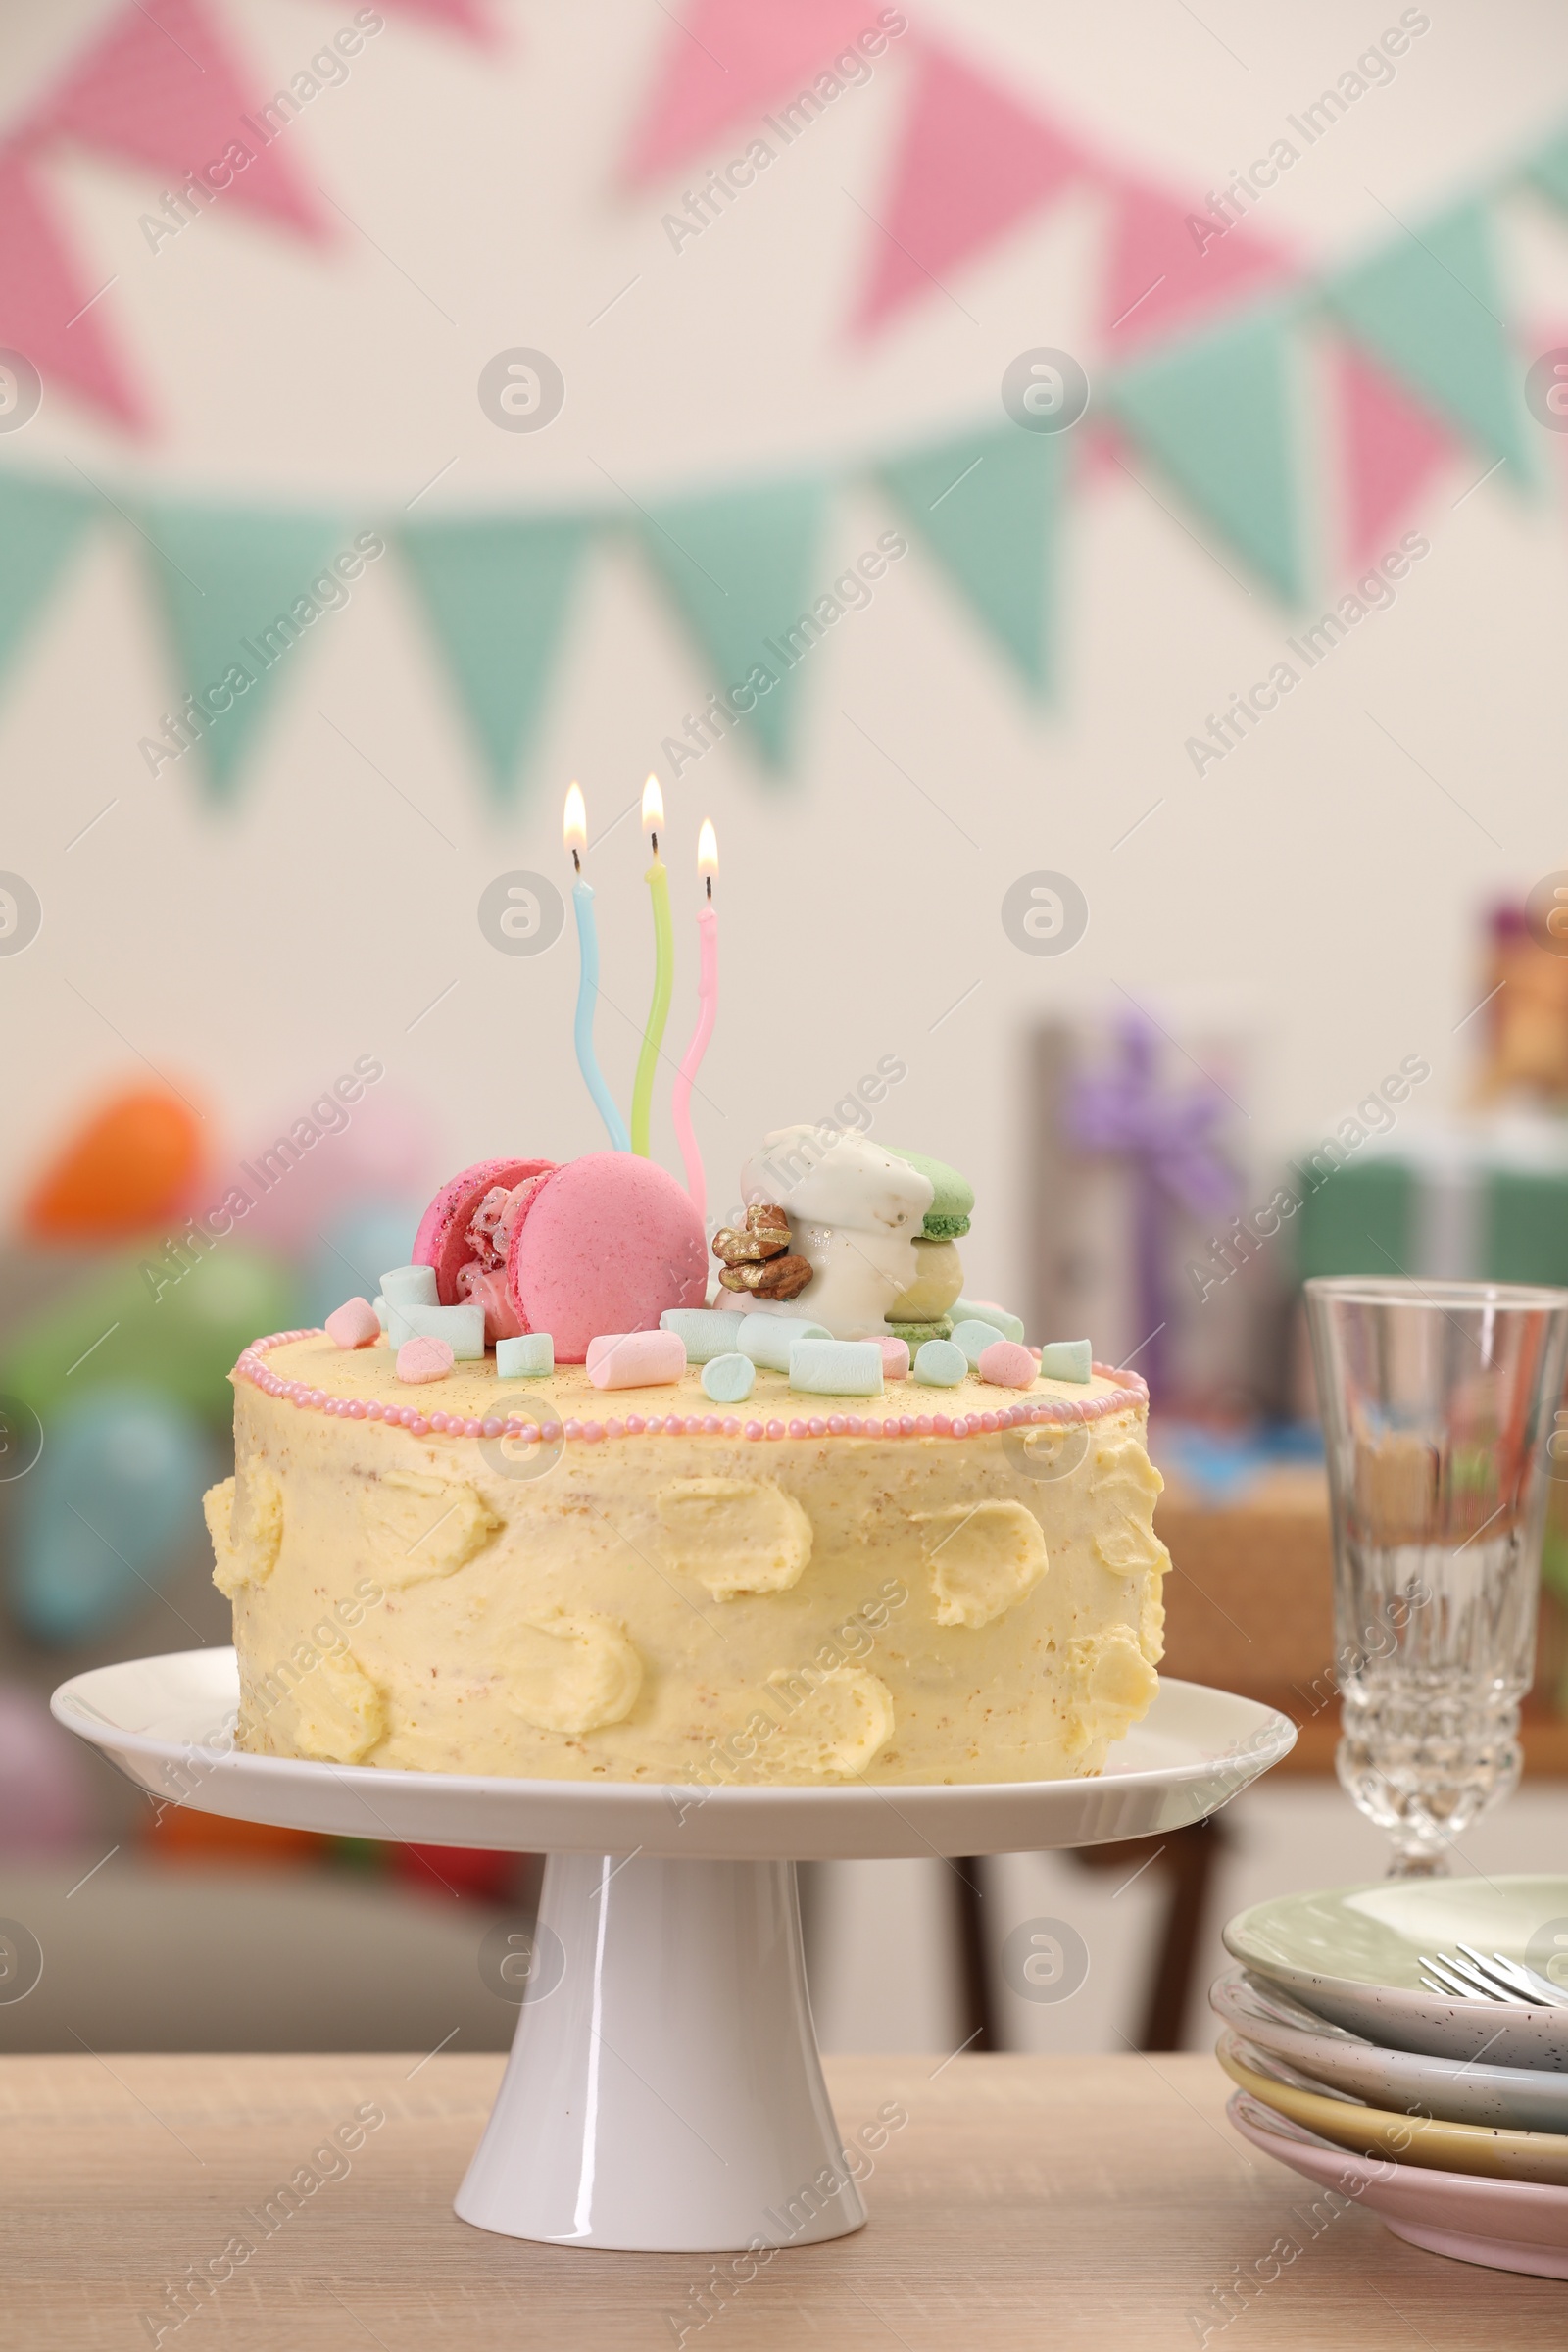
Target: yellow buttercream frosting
x=694 y=1609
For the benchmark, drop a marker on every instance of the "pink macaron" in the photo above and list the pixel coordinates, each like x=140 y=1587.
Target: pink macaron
x=442 y=1241
x=604 y=1244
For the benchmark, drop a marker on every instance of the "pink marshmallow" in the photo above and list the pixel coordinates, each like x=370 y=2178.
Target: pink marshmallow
x=487 y=1288
x=423 y=1359
x=1009 y=1364
x=894 y=1358
x=636 y=1360
x=354 y=1324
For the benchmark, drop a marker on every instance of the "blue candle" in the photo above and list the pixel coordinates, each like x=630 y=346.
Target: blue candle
x=575 y=831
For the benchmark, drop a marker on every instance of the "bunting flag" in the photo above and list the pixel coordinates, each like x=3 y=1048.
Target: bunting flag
x=498 y=592
x=725 y=64
x=236 y=591
x=40 y=523
x=1168 y=267
x=47 y=311
x=1214 y=413
x=972 y=162
x=467 y=17
x=1390 y=447
x=988 y=507
x=1430 y=307
x=157 y=88
x=740 y=565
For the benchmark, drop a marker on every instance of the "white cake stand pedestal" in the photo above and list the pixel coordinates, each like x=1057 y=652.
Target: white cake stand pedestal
x=664 y=2091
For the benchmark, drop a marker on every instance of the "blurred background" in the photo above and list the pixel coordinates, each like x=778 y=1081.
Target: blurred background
x=1078 y=504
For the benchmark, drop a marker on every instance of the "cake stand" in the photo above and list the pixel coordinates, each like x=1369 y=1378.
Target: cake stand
x=664 y=2091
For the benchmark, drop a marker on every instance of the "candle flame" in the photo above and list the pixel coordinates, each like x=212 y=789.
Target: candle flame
x=575 y=820
x=708 y=850
x=653 y=806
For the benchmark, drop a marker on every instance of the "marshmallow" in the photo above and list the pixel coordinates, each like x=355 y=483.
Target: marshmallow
x=729 y=1379
x=980 y=1310
x=423 y=1357
x=462 y=1327
x=1006 y=1364
x=768 y=1339
x=938 y=1365
x=410 y=1286
x=705 y=1331
x=529 y=1357
x=974 y=1336
x=354 y=1324
x=1067 y=1360
x=894 y=1358
x=636 y=1360
x=836 y=1367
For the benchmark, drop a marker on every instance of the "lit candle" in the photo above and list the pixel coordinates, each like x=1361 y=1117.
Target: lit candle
x=658 y=880
x=707 y=1009
x=574 y=832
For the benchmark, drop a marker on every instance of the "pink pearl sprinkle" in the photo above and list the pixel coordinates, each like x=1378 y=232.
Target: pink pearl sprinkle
x=960 y=1427
x=853 y=1424
x=988 y=1421
x=472 y=1428
x=656 y=1422
x=906 y=1425
x=922 y=1425
x=529 y=1431
x=297 y=1400
x=710 y=1425
x=573 y=1429
x=490 y=1427
x=438 y=1422
x=419 y=1427
x=797 y=1428
x=731 y=1426
x=613 y=1427
x=357 y=1410
x=775 y=1428
x=592 y=1431
x=754 y=1429
x=692 y=1425
x=835 y=1425
x=374 y=1411
x=818 y=1429
x=890 y=1428
x=635 y=1425
x=550 y=1430
x=317 y=1397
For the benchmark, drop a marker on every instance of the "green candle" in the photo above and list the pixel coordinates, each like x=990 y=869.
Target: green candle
x=658 y=879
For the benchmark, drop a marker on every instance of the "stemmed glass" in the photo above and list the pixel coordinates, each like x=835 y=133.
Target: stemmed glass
x=1438 y=1402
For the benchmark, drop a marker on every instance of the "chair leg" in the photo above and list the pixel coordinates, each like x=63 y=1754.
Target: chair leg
x=976 y=2001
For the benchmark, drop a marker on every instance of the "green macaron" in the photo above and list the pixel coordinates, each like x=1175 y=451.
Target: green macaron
x=916 y=1334
x=951 y=1197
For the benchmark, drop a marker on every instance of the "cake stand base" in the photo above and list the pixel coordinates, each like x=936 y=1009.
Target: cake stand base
x=664 y=2091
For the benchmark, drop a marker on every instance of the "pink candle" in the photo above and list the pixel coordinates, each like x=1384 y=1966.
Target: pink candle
x=706 y=1010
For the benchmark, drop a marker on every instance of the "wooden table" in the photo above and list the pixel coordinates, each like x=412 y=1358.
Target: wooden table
x=1025 y=2203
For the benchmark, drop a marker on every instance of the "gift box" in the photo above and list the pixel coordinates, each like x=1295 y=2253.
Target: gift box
x=1135 y=1175
x=1476 y=1200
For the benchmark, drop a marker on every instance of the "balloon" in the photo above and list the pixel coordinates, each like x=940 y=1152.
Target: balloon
x=355 y=1246
x=133 y=1164
x=104 y=1515
x=381 y=1151
x=140 y=1320
x=48 y=1806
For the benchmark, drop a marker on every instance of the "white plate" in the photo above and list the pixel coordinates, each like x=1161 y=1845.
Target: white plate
x=1515 y=2098
x=1504 y=2225
x=1352 y=1954
x=167 y=1723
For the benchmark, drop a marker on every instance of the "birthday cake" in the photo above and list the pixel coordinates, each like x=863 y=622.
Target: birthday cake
x=582 y=1495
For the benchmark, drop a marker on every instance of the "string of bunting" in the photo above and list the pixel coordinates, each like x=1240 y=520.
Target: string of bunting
x=1202 y=336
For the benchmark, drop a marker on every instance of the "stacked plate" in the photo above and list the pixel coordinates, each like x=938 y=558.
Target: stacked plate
x=1445 y=2115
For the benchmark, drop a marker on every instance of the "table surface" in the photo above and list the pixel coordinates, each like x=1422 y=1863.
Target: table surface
x=1063 y=2202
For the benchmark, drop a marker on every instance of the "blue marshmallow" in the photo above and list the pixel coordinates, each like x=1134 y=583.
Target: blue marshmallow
x=462 y=1327
x=706 y=1331
x=976 y=1311
x=973 y=1336
x=938 y=1365
x=769 y=1340
x=529 y=1357
x=729 y=1379
x=1067 y=1360
x=410 y=1285
x=826 y=1367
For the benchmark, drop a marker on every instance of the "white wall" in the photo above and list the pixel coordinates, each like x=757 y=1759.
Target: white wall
x=1315 y=885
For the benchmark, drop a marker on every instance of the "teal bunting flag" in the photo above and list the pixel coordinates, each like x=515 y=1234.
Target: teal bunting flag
x=740 y=565
x=1214 y=411
x=242 y=591
x=1547 y=168
x=40 y=523
x=1430 y=306
x=497 y=591
x=988 y=507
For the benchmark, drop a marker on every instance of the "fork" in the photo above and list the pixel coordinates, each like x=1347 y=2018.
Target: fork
x=1472 y=1976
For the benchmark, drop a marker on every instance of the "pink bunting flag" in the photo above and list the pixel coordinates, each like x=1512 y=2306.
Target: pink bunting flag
x=467 y=17
x=726 y=61
x=47 y=309
x=1170 y=266
x=1390 y=445
x=157 y=87
x=972 y=162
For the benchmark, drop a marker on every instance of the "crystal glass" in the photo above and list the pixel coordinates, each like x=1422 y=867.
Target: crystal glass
x=1438 y=1402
